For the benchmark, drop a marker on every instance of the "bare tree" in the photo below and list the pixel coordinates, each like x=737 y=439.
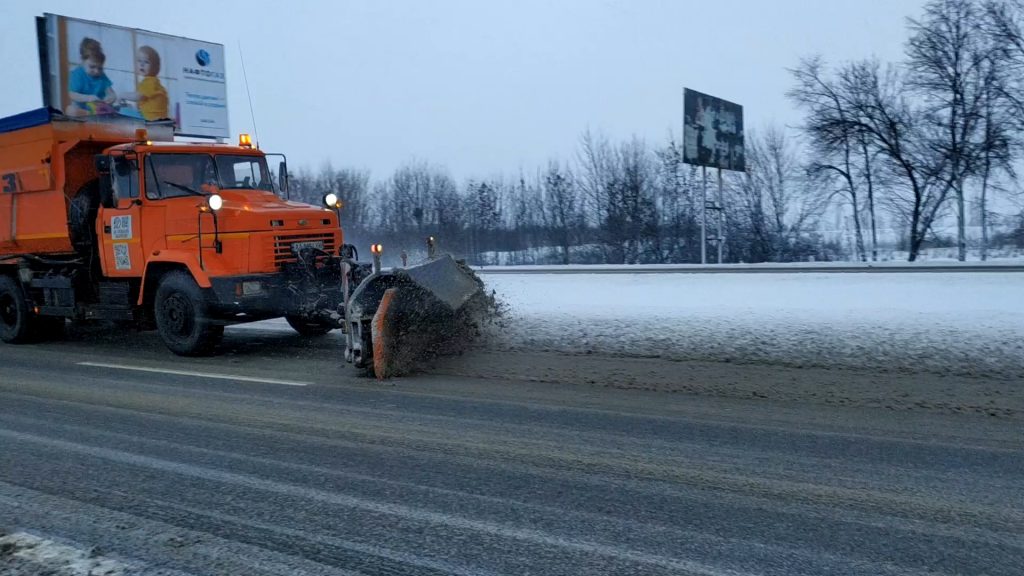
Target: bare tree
x=950 y=65
x=998 y=144
x=893 y=127
x=416 y=201
x=596 y=180
x=870 y=183
x=483 y=200
x=302 y=185
x=1004 y=26
x=835 y=141
x=353 y=187
x=777 y=203
x=634 y=189
x=1004 y=101
x=524 y=206
x=562 y=216
x=677 y=200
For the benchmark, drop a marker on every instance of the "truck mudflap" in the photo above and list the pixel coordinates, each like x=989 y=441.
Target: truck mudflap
x=401 y=317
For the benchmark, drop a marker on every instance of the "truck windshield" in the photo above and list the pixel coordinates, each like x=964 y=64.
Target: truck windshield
x=244 y=172
x=173 y=175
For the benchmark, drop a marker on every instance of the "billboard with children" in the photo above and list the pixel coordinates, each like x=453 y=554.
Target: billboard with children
x=96 y=71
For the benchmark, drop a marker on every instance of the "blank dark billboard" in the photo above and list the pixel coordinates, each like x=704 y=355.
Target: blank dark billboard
x=712 y=132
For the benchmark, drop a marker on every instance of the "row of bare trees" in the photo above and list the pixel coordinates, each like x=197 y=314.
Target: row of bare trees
x=917 y=138
x=617 y=202
x=895 y=146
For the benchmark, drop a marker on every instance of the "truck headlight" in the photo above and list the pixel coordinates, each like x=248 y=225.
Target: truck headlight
x=215 y=202
x=331 y=200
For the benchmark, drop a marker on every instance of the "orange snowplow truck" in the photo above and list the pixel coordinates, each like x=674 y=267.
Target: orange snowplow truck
x=113 y=220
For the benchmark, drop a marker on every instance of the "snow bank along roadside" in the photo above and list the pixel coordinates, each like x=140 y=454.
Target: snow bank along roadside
x=1009 y=264
x=23 y=554
x=959 y=323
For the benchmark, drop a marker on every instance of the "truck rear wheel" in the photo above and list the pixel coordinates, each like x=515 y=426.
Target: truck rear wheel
x=181 y=316
x=15 y=315
x=308 y=326
x=82 y=213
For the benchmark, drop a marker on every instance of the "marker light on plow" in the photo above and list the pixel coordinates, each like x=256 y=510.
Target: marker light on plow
x=377 y=250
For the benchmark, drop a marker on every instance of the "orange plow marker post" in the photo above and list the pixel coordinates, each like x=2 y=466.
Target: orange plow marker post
x=382 y=336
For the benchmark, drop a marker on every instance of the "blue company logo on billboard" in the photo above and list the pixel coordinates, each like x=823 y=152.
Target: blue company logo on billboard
x=203 y=59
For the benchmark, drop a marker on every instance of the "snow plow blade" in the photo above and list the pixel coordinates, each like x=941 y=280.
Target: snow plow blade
x=398 y=318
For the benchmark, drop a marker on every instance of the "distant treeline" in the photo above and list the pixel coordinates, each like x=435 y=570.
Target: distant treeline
x=931 y=139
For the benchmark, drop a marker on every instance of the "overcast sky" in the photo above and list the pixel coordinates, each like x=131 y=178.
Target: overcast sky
x=482 y=87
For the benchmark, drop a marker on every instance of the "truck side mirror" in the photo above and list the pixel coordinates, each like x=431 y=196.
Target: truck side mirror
x=107 y=199
x=102 y=163
x=282 y=176
x=122 y=167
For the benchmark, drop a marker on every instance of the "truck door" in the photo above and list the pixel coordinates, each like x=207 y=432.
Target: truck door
x=119 y=224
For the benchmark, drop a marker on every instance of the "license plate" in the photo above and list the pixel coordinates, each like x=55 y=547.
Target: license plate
x=251 y=288
x=300 y=246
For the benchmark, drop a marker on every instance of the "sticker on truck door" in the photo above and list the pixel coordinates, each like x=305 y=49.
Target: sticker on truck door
x=121 y=228
x=9 y=182
x=122 y=261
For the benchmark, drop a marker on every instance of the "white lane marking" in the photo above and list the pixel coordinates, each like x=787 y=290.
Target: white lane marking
x=194 y=374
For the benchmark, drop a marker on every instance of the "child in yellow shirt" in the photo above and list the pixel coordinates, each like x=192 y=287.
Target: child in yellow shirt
x=149 y=93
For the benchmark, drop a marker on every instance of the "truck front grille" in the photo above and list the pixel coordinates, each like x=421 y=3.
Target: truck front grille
x=282 y=246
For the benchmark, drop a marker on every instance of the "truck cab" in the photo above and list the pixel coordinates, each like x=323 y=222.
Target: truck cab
x=176 y=214
x=186 y=237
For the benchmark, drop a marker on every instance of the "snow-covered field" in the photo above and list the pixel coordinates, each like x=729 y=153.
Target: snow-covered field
x=592 y=252
x=963 y=323
x=969 y=323
x=894 y=266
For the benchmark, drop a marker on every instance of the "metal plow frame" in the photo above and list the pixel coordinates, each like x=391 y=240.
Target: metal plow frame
x=400 y=316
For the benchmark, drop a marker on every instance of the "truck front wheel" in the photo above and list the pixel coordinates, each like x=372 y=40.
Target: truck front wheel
x=15 y=315
x=181 y=316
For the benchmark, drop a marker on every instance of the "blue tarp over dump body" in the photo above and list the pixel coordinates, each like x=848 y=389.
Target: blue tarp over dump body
x=36 y=117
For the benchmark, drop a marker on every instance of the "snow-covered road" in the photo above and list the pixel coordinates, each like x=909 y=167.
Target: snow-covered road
x=963 y=323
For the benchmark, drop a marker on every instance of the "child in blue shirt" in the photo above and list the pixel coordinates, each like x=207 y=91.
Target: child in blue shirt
x=89 y=88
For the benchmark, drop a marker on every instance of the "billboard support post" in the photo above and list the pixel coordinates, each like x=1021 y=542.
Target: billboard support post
x=721 y=217
x=704 y=215
x=712 y=136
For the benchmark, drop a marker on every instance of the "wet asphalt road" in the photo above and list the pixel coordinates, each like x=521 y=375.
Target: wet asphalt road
x=274 y=458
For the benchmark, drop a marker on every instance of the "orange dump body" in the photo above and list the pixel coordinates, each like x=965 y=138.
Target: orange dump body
x=41 y=167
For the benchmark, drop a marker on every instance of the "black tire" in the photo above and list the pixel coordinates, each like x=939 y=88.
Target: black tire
x=181 y=316
x=82 y=211
x=307 y=326
x=15 y=314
